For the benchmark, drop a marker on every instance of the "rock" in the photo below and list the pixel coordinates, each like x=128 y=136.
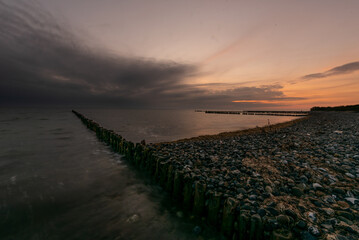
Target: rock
x=301 y=224
x=179 y=214
x=273 y=211
x=347 y=221
x=314 y=230
x=304 y=179
x=312 y=216
x=343 y=204
x=350 y=175
x=133 y=218
x=352 y=200
x=268 y=189
x=317 y=186
x=281 y=234
x=262 y=212
x=329 y=211
x=345 y=214
x=328 y=227
x=307 y=236
x=329 y=199
x=197 y=230
x=290 y=213
x=252 y=197
x=283 y=220
x=297 y=192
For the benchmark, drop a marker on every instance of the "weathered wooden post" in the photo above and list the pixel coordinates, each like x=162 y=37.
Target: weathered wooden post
x=244 y=224
x=256 y=230
x=214 y=204
x=187 y=192
x=178 y=185
x=199 y=198
x=229 y=211
x=170 y=179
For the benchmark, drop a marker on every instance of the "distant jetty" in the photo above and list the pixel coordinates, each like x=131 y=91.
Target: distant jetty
x=268 y=113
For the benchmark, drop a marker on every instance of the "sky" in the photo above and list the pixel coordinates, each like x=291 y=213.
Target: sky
x=198 y=54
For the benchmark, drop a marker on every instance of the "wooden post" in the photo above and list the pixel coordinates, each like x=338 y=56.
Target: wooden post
x=199 y=198
x=214 y=204
x=229 y=211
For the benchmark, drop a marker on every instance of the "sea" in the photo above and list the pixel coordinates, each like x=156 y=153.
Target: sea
x=57 y=181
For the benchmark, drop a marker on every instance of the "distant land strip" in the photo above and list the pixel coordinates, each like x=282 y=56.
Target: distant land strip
x=353 y=108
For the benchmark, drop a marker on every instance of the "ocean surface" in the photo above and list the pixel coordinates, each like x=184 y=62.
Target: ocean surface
x=57 y=181
x=169 y=125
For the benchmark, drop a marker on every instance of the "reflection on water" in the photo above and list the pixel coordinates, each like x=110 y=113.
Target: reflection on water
x=168 y=125
x=58 y=182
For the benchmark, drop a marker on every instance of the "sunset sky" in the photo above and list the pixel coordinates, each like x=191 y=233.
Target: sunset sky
x=277 y=54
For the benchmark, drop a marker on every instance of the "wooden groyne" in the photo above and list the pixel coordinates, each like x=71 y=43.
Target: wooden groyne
x=268 y=113
x=220 y=211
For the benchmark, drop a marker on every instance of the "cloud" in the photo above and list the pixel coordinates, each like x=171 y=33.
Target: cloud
x=43 y=62
x=343 y=69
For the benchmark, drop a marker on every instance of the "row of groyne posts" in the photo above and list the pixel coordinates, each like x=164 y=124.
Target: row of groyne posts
x=219 y=212
x=267 y=113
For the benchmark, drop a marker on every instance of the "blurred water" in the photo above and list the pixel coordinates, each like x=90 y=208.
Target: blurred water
x=168 y=125
x=58 y=182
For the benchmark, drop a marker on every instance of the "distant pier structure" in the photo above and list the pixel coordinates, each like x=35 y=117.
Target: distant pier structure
x=268 y=113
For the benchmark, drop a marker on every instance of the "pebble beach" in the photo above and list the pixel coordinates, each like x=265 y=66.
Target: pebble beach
x=293 y=180
x=301 y=180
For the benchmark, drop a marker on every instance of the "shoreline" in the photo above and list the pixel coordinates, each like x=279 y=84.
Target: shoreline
x=292 y=180
x=255 y=130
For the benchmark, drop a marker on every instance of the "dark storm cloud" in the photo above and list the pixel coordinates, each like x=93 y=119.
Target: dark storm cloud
x=343 y=69
x=42 y=62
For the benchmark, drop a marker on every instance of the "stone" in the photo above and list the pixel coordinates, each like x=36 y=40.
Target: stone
x=281 y=234
x=317 y=186
x=301 y=224
x=179 y=214
x=268 y=189
x=329 y=211
x=252 y=197
x=350 y=175
x=132 y=219
x=307 y=236
x=345 y=214
x=262 y=212
x=283 y=219
x=273 y=211
x=343 y=204
x=314 y=231
x=329 y=227
x=297 y=192
x=312 y=216
x=197 y=230
x=304 y=179
x=352 y=200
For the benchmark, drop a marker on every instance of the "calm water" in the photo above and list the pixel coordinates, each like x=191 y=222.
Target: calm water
x=58 y=182
x=168 y=125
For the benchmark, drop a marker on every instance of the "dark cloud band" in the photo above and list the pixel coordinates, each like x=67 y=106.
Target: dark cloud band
x=42 y=62
x=343 y=69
